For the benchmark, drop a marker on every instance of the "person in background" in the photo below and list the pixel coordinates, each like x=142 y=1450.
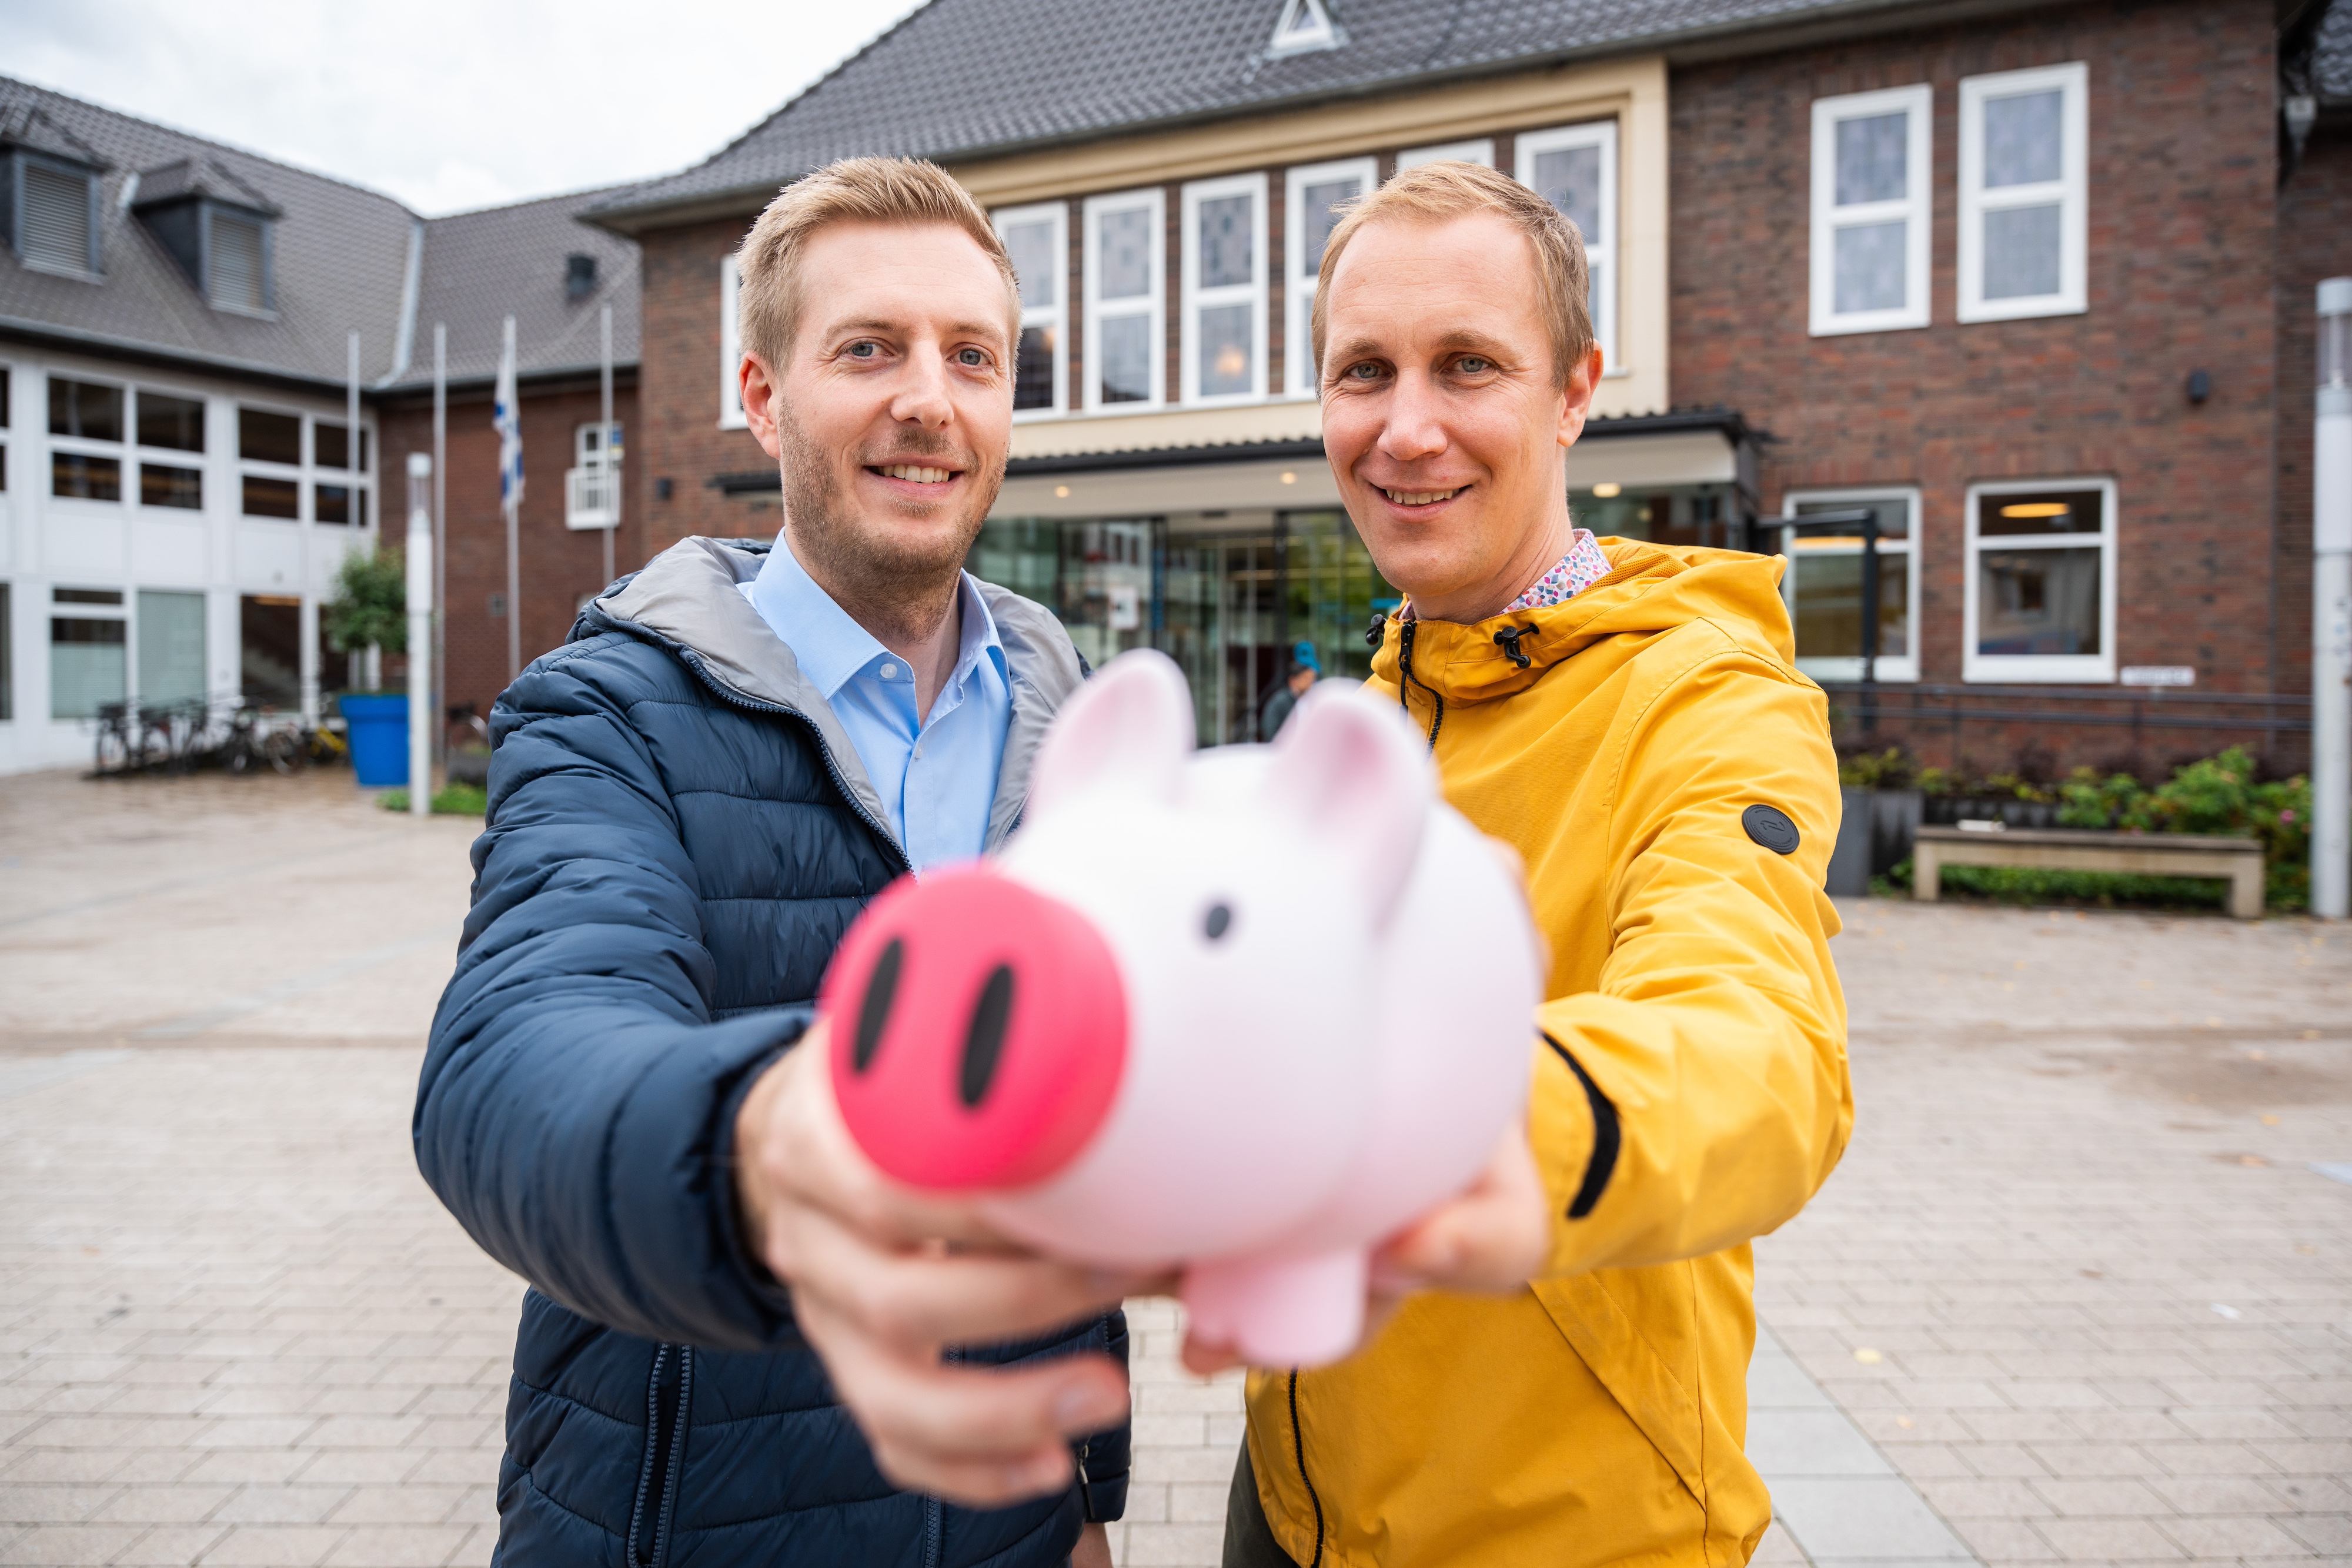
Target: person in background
x=1305 y=670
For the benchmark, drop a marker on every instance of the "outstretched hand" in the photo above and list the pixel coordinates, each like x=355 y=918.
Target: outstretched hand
x=883 y=1279
x=1491 y=1239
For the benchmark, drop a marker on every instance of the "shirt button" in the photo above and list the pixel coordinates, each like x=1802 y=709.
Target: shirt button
x=890 y=671
x=919 y=749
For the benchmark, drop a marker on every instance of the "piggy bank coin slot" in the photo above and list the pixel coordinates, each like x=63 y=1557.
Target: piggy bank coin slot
x=1218 y=921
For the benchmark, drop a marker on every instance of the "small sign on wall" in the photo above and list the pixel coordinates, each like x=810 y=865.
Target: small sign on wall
x=2160 y=675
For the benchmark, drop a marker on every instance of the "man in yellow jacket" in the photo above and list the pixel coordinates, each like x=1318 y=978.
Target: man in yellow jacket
x=1630 y=719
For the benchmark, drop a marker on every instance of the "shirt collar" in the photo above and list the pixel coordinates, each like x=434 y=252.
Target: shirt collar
x=830 y=646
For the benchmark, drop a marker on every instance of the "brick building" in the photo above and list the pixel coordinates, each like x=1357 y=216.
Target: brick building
x=2030 y=282
x=178 y=479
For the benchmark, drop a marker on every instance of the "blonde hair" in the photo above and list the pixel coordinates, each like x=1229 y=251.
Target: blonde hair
x=768 y=301
x=1433 y=192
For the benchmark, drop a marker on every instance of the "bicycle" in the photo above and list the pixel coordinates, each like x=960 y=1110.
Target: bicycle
x=251 y=746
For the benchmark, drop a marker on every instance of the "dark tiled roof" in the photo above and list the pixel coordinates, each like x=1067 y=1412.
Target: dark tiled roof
x=341 y=255
x=482 y=267
x=962 y=78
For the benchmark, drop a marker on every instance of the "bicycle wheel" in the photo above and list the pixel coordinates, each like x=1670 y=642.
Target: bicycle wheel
x=283 y=751
x=113 y=753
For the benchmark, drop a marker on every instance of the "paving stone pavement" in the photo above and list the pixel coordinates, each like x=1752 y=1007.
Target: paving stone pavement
x=2075 y=1282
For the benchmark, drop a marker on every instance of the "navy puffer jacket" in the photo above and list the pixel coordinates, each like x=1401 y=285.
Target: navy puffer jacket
x=679 y=833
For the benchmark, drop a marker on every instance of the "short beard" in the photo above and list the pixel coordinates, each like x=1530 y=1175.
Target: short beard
x=900 y=586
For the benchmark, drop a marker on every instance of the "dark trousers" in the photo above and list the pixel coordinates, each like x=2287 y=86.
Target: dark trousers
x=1249 y=1540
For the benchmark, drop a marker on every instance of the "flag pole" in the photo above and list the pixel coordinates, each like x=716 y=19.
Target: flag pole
x=419 y=565
x=509 y=424
x=605 y=452
x=440 y=529
x=372 y=661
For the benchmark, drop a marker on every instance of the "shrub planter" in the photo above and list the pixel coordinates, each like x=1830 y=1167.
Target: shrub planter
x=379 y=736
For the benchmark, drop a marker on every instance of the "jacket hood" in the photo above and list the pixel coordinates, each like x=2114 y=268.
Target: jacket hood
x=690 y=598
x=1650 y=588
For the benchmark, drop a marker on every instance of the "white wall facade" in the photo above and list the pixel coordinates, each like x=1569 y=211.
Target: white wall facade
x=50 y=542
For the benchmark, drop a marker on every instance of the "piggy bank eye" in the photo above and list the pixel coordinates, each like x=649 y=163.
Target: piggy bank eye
x=1217 y=922
x=874 y=1012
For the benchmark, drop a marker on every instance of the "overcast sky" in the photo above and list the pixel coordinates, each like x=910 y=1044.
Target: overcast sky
x=446 y=104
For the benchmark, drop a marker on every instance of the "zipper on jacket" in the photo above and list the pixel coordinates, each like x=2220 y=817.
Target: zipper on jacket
x=667 y=1391
x=1299 y=1437
x=1407 y=679
x=832 y=767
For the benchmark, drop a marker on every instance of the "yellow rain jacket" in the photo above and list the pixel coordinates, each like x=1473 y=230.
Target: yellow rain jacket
x=1690 y=1090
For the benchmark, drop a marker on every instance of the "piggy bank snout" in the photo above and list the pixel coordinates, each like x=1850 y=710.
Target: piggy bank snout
x=980 y=1031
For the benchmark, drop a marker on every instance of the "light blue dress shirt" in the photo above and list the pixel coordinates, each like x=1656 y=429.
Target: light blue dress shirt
x=937 y=779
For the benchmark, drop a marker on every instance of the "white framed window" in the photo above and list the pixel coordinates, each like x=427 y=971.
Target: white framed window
x=1037 y=239
x=2024 y=193
x=1126 y=291
x=2041 y=581
x=54 y=214
x=591 y=486
x=1574 y=167
x=730 y=349
x=1313 y=195
x=1823 y=584
x=1477 y=150
x=1224 y=323
x=1302 y=26
x=1871 y=229
x=90 y=423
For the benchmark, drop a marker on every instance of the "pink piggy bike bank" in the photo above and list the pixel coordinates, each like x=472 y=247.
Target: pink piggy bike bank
x=1249 y=1010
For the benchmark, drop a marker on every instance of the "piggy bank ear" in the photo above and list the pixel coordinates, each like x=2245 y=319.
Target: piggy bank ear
x=1352 y=773
x=1129 y=728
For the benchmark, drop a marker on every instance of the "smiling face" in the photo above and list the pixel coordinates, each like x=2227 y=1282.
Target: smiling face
x=893 y=413
x=1443 y=416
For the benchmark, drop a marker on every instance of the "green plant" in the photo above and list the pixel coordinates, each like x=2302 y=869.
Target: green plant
x=370 y=605
x=1889 y=770
x=1934 y=781
x=2088 y=800
x=449 y=800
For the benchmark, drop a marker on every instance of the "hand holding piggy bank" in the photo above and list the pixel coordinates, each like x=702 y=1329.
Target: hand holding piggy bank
x=1249 y=1010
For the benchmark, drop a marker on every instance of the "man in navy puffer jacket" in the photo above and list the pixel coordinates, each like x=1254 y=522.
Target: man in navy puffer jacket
x=739 y=1345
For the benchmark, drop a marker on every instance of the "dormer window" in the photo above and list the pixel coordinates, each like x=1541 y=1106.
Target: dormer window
x=1305 y=25
x=217 y=227
x=579 y=276
x=52 y=213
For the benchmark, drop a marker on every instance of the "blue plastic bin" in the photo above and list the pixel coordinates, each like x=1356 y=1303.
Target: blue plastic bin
x=379 y=737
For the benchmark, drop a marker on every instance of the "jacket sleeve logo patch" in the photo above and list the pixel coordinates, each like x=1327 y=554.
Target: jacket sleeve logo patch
x=1770 y=826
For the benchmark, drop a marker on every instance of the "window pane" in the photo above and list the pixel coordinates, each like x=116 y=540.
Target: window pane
x=1125 y=267
x=1870 y=267
x=1570 y=179
x=1894 y=514
x=328 y=441
x=1227 y=253
x=162 y=487
x=2037 y=602
x=271 y=497
x=85 y=596
x=1123 y=358
x=332 y=504
x=1030 y=246
x=2022 y=136
x=1829 y=605
x=266 y=437
x=171 y=647
x=1873 y=162
x=2020 y=252
x=177 y=423
x=2053 y=512
x=1321 y=217
x=1225 y=351
x=86 y=668
x=56 y=218
x=237 y=278
x=1032 y=375
x=85 y=409
x=82 y=478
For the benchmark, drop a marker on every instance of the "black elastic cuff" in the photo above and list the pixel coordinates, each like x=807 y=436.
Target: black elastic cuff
x=1606 y=1137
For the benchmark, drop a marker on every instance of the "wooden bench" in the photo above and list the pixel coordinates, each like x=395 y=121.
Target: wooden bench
x=2238 y=862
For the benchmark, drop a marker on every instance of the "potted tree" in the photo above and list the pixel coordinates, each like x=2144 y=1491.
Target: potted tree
x=370 y=608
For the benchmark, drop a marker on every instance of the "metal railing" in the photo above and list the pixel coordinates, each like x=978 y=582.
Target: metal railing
x=2140 y=709
x=592 y=496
